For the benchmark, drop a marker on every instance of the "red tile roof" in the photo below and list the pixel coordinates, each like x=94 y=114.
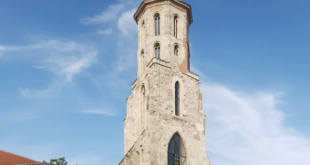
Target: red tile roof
x=11 y=159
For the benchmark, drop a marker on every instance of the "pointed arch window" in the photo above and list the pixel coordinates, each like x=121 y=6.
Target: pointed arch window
x=177 y=99
x=157 y=50
x=176 y=151
x=157 y=24
x=176 y=50
x=175 y=26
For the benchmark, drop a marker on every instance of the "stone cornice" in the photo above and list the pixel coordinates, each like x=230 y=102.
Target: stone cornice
x=192 y=75
x=181 y=4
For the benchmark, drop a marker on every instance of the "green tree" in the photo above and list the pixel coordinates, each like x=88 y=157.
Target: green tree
x=60 y=161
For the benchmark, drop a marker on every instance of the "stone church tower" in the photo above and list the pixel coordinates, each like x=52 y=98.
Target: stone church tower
x=165 y=124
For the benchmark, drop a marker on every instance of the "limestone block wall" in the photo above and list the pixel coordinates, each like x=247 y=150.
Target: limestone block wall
x=160 y=121
x=133 y=123
x=151 y=120
x=147 y=39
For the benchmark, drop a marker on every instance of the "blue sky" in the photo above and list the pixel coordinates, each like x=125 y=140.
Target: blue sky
x=66 y=68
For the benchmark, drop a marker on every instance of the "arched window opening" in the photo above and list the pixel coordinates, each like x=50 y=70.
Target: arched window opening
x=142 y=98
x=176 y=151
x=157 y=24
x=175 y=26
x=177 y=99
x=176 y=50
x=157 y=50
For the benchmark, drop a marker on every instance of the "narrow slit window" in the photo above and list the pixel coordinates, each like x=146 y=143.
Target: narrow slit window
x=177 y=99
x=157 y=25
x=157 y=50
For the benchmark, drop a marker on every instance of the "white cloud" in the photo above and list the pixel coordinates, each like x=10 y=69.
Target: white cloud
x=66 y=58
x=4 y=49
x=53 y=89
x=244 y=128
x=8 y=48
x=110 y=13
x=126 y=24
x=29 y=93
x=68 y=66
x=127 y=42
x=98 y=112
x=107 y=31
x=127 y=27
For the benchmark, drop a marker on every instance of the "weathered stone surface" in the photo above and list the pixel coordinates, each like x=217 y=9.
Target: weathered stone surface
x=151 y=120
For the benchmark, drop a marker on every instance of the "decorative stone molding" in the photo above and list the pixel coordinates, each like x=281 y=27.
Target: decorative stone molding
x=159 y=62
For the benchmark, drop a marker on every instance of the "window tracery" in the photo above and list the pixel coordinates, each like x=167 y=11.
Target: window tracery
x=176 y=151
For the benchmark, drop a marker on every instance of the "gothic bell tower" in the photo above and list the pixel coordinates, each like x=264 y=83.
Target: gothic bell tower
x=165 y=124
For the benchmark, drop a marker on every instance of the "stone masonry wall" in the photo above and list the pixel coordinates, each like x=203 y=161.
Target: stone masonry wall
x=151 y=120
x=151 y=140
x=147 y=40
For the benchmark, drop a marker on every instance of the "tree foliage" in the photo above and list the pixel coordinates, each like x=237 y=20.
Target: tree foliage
x=60 y=161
